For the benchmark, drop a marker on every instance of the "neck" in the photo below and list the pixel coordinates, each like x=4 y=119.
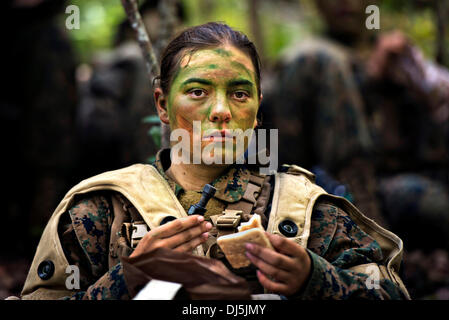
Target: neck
x=193 y=177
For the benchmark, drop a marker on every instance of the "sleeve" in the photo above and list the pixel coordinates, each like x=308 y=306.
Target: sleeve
x=337 y=244
x=84 y=231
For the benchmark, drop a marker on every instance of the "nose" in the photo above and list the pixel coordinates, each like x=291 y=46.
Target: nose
x=220 y=111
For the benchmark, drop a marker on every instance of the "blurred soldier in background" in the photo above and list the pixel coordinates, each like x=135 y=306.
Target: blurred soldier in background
x=37 y=112
x=370 y=111
x=116 y=95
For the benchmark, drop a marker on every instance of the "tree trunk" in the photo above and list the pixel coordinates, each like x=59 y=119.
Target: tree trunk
x=148 y=53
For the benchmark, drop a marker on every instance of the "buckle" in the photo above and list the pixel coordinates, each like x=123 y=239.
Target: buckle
x=139 y=230
x=229 y=219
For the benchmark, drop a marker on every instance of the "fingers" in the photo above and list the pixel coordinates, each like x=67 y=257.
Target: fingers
x=276 y=273
x=285 y=246
x=272 y=285
x=192 y=244
x=282 y=271
x=174 y=234
x=271 y=257
x=173 y=227
x=186 y=235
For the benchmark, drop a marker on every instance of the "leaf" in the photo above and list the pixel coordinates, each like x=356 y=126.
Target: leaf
x=151 y=159
x=153 y=119
x=155 y=133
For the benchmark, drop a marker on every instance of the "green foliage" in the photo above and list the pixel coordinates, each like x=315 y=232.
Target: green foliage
x=153 y=119
x=277 y=30
x=155 y=130
x=396 y=5
x=98 y=24
x=418 y=25
x=282 y=22
x=154 y=133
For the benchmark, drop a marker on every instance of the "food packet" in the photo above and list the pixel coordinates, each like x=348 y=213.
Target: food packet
x=201 y=278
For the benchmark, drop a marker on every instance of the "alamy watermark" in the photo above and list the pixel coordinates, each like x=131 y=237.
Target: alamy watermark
x=372 y=282
x=73 y=20
x=73 y=280
x=373 y=20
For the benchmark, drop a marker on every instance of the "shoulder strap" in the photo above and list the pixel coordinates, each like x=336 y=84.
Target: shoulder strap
x=141 y=184
x=291 y=209
x=294 y=198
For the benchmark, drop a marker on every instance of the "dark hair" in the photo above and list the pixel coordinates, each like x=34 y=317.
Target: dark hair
x=199 y=37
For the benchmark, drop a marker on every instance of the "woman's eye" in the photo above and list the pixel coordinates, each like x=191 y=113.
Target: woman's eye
x=240 y=95
x=197 y=93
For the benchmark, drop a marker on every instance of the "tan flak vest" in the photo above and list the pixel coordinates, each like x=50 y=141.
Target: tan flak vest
x=294 y=197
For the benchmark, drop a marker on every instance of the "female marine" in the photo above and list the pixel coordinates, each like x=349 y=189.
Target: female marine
x=210 y=77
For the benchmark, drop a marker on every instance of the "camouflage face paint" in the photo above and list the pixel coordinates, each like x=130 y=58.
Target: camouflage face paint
x=217 y=87
x=223 y=52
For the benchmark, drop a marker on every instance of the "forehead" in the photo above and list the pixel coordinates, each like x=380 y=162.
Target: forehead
x=218 y=60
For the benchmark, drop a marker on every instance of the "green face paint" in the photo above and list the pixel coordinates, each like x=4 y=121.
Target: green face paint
x=223 y=52
x=216 y=87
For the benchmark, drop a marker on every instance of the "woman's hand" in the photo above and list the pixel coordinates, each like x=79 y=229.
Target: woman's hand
x=283 y=271
x=182 y=234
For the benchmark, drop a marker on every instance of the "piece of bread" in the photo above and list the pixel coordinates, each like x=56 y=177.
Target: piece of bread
x=254 y=222
x=233 y=245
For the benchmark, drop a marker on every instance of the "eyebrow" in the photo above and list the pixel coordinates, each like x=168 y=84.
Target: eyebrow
x=197 y=80
x=233 y=83
x=240 y=82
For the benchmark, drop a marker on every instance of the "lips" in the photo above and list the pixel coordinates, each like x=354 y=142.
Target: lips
x=218 y=135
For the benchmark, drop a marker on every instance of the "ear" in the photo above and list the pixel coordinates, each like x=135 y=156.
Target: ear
x=161 y=105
